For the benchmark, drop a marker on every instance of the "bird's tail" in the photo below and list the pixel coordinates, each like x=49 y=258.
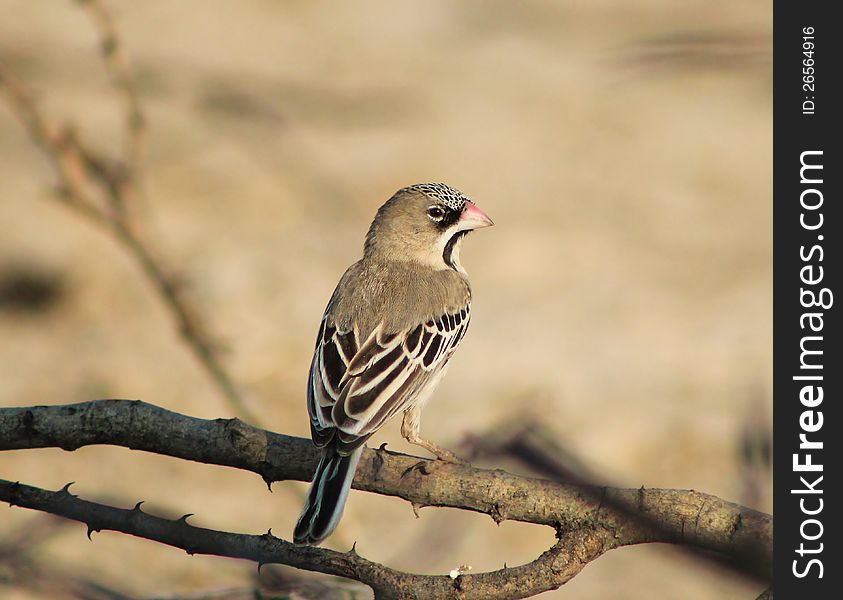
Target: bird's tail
x=326 y=496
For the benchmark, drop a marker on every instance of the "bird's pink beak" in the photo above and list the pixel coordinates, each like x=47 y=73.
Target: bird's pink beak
x=473 y=217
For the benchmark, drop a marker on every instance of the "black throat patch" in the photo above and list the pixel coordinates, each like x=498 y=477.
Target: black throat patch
x=448 y=253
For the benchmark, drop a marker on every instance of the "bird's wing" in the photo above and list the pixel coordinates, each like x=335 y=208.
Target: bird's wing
x=334 y=350
x=355 y=388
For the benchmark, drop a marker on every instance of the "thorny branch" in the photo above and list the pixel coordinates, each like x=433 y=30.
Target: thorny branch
x=23 y=567
x=102 y=189
x=588 y=521
x=553 y=568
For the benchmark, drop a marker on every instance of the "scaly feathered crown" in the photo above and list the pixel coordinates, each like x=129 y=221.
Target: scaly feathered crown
x=452 y=198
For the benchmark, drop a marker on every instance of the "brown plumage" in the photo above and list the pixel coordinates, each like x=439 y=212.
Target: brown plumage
x=393 y=322
x=395 y=295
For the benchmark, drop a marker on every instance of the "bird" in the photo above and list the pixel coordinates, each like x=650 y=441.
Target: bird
x=392 y=324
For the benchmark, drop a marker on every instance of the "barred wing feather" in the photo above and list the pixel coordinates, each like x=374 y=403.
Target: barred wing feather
x=354 y=390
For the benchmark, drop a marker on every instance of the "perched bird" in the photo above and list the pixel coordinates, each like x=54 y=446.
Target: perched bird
x=392 y=324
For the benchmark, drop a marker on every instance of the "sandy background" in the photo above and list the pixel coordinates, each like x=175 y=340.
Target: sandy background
x=622 y=148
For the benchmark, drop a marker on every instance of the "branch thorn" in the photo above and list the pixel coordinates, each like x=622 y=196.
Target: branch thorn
x=560 y=531
x=420 y=466
x=496 y=514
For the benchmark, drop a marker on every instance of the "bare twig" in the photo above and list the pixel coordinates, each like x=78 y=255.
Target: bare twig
x=592 y=519
x=100 y=189
x=117 y=64
x=58 y=143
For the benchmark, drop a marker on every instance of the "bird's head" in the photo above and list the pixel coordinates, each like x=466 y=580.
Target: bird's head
x=424 y=223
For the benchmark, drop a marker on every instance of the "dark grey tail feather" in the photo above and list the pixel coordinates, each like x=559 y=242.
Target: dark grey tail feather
x=326 y=496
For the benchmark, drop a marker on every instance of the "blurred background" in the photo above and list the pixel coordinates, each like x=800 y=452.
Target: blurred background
x=622 y=304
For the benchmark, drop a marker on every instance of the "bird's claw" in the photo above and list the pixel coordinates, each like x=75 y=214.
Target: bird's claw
x=449 y=457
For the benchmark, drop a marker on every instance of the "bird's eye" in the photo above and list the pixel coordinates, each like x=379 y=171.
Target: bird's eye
x=435 y=213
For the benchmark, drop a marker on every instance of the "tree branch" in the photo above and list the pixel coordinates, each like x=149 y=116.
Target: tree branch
x=589 y=520
x=552 y=569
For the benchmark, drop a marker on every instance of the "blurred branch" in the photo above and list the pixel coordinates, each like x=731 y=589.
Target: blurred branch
x=532 y=443
x=311 y=590
x=20 y=569
x=101 y=189
x=283 y=583
x=698 y=50
x=117 y=64
x=589 y=520
x=17 y=544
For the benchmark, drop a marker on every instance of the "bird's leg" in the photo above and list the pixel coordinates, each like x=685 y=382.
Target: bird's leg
x=410 y=430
